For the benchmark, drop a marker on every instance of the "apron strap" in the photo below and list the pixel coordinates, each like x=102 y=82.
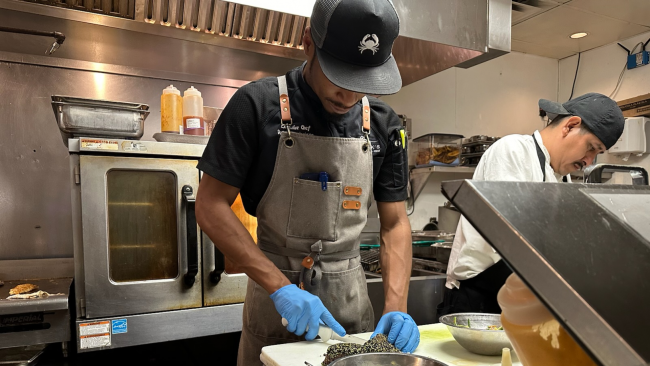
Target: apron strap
x=366 y=114
x=541 y=157
x=295 y=253
x=285 y=109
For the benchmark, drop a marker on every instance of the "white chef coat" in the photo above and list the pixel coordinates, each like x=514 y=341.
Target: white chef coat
x=512 y=158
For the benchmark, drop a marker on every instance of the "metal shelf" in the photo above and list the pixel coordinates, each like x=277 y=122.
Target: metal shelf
x=444 y=169
x=419 y=176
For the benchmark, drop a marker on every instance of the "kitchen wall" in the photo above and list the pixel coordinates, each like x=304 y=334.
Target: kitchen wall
x=599 y=71
x=496 y=98
x=35 y=178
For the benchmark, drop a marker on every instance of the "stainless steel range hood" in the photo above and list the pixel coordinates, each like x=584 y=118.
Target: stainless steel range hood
x=169 y=36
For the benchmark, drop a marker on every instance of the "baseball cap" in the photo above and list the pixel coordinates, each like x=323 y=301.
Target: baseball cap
x=354 y=42
x=599 y=113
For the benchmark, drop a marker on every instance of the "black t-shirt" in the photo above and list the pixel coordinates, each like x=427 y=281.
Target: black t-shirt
x=243 y=146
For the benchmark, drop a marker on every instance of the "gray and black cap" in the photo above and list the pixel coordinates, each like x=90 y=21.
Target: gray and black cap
x=599 y=113
x=354 y=42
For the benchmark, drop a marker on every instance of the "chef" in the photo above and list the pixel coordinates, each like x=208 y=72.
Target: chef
x=307 y=150
x=579 y=130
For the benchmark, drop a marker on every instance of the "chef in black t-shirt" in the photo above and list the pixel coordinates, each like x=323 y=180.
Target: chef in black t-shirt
x=307 y=150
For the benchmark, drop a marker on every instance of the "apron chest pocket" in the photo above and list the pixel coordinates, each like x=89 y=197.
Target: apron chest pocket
x=314 y=212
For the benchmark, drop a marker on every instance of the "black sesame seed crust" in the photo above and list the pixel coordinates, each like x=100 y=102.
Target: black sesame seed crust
x=377 y=344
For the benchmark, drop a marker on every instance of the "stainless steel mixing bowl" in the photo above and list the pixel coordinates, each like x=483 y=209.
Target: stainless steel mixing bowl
x=477 y=339
x=386 y=359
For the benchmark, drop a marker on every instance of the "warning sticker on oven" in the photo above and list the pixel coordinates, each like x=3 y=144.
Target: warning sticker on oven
x=99 y=144
x=95 y=335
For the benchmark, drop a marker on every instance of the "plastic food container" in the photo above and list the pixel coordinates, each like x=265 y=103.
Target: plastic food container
x=536 y=336
x=438 y=149
x=210 y=118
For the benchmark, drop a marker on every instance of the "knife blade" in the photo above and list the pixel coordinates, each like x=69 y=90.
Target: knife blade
x=347 y=338
x=326 y=333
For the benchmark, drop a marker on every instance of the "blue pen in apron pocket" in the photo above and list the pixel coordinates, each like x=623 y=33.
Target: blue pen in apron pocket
x=321 y=177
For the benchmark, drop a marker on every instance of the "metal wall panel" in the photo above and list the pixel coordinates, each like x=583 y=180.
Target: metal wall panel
x=35 y=208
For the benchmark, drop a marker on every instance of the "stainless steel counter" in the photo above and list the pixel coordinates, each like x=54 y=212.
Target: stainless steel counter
x=35 y=321
x=50 y=303
x=425 y=293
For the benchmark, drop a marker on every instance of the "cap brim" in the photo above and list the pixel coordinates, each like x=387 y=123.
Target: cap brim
x=378 y=80
x=552 y=107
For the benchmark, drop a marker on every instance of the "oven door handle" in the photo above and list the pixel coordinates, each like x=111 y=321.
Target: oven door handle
x=192 y=236
x=219 y=266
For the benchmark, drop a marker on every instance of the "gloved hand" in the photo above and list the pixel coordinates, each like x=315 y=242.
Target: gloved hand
x=401 y=329
x=303 y=312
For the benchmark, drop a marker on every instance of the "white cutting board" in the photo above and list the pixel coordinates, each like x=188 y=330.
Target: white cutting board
x=435 y=342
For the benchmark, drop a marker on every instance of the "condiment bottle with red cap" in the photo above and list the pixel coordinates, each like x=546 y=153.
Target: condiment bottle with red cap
x=193 y=112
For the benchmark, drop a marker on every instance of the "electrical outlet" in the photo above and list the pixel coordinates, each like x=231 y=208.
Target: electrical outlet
x=638 y=59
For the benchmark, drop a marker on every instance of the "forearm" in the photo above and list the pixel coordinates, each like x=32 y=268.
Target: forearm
x=396 y=260
x=219 y=222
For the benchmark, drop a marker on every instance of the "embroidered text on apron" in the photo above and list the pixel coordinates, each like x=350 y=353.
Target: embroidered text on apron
x=309 y=228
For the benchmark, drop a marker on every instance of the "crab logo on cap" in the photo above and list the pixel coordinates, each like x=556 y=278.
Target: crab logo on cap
x=369 y=42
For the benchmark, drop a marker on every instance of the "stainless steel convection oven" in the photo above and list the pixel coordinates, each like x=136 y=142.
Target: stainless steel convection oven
x=144 y=272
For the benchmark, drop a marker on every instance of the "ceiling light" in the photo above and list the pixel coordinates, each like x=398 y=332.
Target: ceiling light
x=578 y=35
x=296 y=7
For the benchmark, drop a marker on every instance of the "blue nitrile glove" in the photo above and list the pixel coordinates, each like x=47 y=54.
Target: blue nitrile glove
x=401 y=329
x=303 y=311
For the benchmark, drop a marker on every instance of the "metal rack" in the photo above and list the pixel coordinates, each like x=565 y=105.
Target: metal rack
x=420 y=176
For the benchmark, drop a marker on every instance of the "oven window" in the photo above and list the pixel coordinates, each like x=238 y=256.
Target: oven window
x=142 y=224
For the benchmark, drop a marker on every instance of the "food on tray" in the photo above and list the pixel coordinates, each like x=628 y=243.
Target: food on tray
x=378 y=344
x=33 y=295
x=444 y=154
x=23 y=289
x=494 y=327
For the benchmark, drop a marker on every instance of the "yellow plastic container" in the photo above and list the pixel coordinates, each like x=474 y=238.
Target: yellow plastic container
x=536 y=336
x=171 y=110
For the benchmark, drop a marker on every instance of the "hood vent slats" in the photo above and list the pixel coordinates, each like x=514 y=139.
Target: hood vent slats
x=116 y=8
x=227 y=19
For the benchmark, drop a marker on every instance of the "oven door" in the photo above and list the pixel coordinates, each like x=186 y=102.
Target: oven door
x=221 y=282
x=140 y=242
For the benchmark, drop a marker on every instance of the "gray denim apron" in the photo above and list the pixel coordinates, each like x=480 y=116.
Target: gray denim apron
x=310 y=230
